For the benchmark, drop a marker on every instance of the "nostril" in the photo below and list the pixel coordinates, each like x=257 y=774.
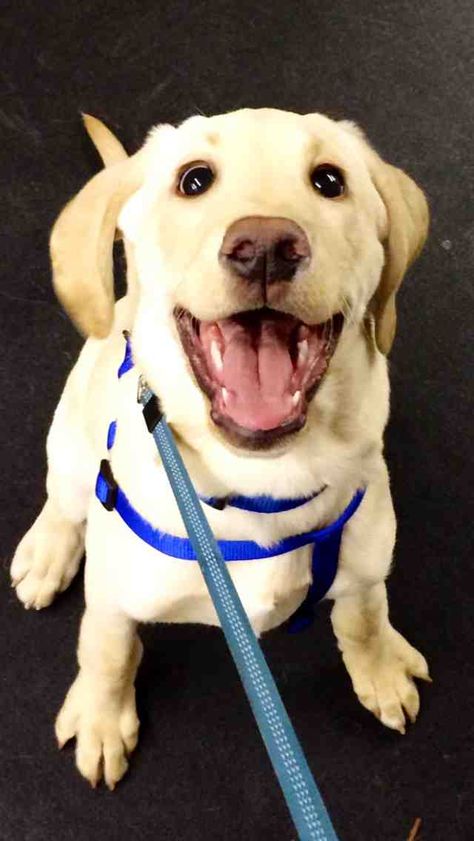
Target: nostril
x=242 y=252
x=287 y=250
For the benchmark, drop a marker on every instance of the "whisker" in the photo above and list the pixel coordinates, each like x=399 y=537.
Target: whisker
x=347 y=309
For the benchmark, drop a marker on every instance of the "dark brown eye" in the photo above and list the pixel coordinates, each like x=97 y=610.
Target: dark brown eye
x=195 y=179
x=328 y=180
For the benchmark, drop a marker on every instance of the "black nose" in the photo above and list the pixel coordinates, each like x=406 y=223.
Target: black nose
x=265 y=249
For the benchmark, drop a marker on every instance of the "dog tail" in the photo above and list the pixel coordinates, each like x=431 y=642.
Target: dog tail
x=108 y=146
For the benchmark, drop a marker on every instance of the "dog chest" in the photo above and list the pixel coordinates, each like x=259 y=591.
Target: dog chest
x=152 y=587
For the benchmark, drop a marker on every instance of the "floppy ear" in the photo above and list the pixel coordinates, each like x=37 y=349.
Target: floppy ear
x=407 y=228
x=82 y=241
x=108 y=146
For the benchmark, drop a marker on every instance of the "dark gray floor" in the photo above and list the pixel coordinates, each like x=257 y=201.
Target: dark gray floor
x=404 y=70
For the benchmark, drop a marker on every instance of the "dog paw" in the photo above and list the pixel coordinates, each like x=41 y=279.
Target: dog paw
x=383 y=679
x=46 y=559
x=106 y=731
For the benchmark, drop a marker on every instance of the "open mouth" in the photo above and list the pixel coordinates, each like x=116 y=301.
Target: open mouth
x=259 y=369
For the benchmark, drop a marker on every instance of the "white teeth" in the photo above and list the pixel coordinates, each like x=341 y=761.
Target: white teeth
x=296 y=398
x=216 y=355
x=302 y=352
x=225 y=394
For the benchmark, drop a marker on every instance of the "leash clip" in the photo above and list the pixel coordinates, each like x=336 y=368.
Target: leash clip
x=152 y=411
x=142 y=389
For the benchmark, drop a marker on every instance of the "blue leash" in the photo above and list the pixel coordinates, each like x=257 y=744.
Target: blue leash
x=289 y=763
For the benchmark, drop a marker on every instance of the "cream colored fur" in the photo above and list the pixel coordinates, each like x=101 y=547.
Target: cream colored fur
x=362 y=245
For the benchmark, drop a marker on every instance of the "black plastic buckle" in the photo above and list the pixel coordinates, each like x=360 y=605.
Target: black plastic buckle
x=219 y=502
x=107 y=486
x=152 y=413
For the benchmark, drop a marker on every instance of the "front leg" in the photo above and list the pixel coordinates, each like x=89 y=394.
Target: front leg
x=99 y=709
x=380 y=662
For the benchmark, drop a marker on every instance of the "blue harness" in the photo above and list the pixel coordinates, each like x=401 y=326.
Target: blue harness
x=326 y=542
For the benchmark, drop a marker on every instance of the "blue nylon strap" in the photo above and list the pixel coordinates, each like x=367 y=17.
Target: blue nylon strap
x=101 y=489
x=111 y=433
x=127 y=363
x=299 y=788
x=260 y=504
x=326 y=539
x=324 y=568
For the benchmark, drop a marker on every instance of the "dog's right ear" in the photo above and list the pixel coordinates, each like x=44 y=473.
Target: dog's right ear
x=82 y=241
x=108 y=146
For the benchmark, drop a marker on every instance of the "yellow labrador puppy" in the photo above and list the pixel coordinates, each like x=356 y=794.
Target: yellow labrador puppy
x=265 y=253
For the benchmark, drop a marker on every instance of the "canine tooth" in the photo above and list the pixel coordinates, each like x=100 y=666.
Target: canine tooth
x=302 y=351
x=216 y=355
x=225 y=394
x=296 y=398
x=303 y=332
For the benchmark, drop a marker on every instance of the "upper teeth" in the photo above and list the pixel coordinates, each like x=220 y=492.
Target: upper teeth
x=216 y=355
x=296 y=397
x=302 y=351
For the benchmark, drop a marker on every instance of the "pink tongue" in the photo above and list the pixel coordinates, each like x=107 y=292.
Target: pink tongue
x=257 y=370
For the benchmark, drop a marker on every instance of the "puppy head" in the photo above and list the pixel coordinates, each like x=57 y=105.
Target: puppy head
x=258 y=237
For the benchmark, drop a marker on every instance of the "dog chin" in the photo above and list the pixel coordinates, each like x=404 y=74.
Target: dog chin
x=259 y=371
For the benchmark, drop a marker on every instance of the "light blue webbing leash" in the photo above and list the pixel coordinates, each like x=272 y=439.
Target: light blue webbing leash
x=289 y=763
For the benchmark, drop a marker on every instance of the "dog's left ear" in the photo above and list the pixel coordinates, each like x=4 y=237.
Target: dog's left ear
x=403 y=239
x=407 y=228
